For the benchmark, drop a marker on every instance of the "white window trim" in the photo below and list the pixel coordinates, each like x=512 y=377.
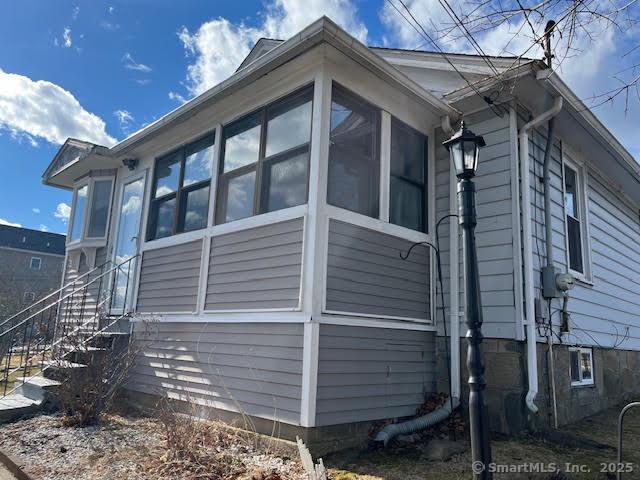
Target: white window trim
x=581 y=382
x=583 y=207
x=84 y=240
x=39 y=263
x=31 y=295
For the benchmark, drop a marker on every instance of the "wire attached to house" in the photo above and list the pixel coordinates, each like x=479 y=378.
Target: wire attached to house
x=436 y=249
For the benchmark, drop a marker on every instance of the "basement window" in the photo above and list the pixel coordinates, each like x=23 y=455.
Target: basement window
x=28 y=297
x=581 y=366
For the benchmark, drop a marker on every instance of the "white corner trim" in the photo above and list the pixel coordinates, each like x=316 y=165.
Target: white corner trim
x=385 y=165
x=311 y=347
x=515 y=222
x=455 y=314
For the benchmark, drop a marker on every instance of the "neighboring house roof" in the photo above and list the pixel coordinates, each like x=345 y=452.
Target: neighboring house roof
x=32 y=240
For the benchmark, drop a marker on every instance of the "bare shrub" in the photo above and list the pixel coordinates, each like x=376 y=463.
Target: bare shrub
x=88 y=392
x=197 y=448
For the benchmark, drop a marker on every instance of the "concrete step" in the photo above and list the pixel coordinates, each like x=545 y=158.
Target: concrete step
x=61 y=370
x=17 y=405
x=39 y=388
x=85 y=355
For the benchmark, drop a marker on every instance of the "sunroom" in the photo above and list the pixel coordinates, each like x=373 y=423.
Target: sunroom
x=276 y=208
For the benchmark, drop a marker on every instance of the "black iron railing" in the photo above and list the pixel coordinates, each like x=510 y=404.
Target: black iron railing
x=44 y=331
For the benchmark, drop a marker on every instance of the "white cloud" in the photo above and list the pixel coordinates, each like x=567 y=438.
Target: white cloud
x=63 y=212
x=75 y=12
x=35 y=210
x=111 y=10
x=177 y=97
x=44 y=228
x=8 y=223
x=44 y=109
x=66 y=37
x=219 y=46
x=131 y=64
x=125 y=119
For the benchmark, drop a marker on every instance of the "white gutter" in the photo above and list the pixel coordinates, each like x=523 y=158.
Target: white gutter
x=532 y=357
x=454 y=273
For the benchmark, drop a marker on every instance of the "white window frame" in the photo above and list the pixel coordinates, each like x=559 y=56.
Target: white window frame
x=582 y=382
x=39 y=263
x=583 y=210
x=31 y=295
x=84 y=240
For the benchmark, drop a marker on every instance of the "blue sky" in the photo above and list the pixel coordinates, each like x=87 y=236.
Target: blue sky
x=101 y=70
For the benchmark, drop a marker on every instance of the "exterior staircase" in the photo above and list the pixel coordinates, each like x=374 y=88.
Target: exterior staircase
x=57 y=337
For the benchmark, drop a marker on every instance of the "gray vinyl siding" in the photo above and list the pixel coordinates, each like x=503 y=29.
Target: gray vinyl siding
x=169 y=278
x=606 y=313
x=494 y=232
x=76 y=307
x=366 y=275
x=372 y=373
x=257 y=268
x=254 y=368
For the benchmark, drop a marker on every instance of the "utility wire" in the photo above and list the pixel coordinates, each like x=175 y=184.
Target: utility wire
x=417 y=26
x=476 y=46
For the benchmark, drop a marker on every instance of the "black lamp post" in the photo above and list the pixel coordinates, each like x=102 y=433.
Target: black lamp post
x=464 y=147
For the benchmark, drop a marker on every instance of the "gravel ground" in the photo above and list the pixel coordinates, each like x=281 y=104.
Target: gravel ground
x=121 y=448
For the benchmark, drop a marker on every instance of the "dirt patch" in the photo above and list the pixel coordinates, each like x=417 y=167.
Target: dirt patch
x=585 y=450
x=129 y=448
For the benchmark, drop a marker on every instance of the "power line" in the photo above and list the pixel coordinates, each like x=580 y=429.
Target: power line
x=423 y=33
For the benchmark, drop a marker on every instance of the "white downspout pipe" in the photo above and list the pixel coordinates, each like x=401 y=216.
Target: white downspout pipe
x=454 y=273
x=529 y=286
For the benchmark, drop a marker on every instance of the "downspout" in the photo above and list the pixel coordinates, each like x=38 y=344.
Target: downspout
x=532 y=360
x=432 y=418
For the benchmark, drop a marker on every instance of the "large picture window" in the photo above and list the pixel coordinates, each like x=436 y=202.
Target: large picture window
x=354 y=158
x=181 y=187
x=407 y=190
x=265 y=159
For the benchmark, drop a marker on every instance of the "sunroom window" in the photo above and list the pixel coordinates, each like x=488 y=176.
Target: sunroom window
x=265 y=159
x=408 y=192
x=182 y=183
x=91 y=210
x=354 y=159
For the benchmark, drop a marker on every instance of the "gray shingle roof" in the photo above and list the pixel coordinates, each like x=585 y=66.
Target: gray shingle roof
x=32 y=240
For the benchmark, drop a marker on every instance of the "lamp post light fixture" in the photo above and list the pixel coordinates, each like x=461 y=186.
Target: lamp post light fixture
x=464 y=147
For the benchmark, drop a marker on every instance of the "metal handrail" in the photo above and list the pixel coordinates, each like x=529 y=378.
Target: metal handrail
x=61 y=299
x=624 y=411
x=42 y=331
x=54 y=293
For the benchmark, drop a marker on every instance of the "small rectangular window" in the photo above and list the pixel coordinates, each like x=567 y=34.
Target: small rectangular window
x=28 y=297
x=35 y=263
x=408 y=192
x=354 y=154
x=99 y=214
x=80 y=205
x=182 y=185
x=265 y=159
x=581 y=366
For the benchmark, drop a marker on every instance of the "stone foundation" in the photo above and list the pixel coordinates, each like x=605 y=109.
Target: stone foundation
x=616 y=380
